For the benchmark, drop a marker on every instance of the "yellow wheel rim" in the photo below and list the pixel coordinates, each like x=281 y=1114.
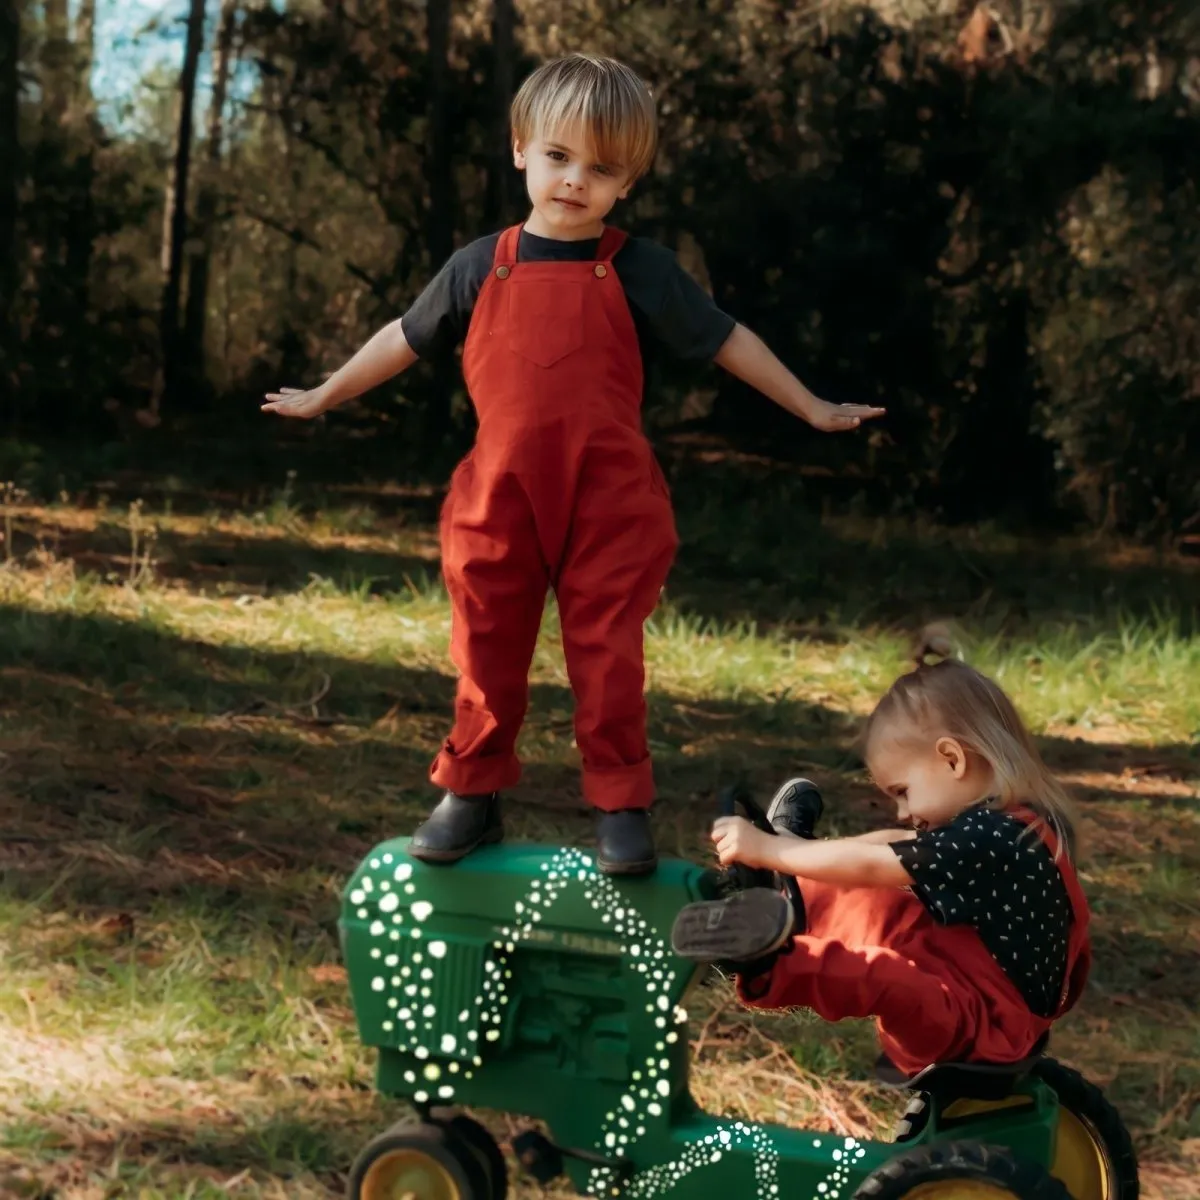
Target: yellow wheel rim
x=959 y=1189
x=408 y=1174
x=1081 y=1161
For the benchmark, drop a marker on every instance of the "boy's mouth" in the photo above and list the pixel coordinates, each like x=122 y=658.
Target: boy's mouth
x=569 y=203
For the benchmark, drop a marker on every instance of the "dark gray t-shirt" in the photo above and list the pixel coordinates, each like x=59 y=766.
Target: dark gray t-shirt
x=668 y=306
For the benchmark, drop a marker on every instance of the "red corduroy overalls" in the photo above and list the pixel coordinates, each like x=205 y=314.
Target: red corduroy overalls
x=561 y=490
x=935 y=991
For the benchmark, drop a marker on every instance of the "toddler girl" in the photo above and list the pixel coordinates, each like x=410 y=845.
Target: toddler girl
x=964 y=935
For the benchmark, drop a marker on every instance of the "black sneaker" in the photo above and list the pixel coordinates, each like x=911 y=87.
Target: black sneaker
x=796 y=808
x=456 y=826
x=624 y=843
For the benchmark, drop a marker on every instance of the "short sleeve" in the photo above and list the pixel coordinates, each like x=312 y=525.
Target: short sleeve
x=954 y=867
x=674 y=309
x=439 y=317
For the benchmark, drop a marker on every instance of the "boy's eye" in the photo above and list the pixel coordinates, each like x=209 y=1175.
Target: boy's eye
x=602 y=169
x=557 y=155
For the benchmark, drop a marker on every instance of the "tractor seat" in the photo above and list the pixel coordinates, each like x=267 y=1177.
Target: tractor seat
x=962 y=1080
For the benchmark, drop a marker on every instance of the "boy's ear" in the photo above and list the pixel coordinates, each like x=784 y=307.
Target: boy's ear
x=624 y=192
x=518 y=155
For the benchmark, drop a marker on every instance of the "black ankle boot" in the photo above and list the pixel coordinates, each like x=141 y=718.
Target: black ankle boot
x=624 y=843
x=456 y=826
x=796 y=808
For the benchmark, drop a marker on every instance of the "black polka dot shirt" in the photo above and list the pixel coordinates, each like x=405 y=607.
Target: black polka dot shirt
x=990 y=871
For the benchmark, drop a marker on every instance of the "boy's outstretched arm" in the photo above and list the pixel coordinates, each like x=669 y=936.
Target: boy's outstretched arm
x=846 y=862
x=749 y=358
x=384 y=356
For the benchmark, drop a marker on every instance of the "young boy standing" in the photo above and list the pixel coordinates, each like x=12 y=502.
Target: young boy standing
x=561 y=489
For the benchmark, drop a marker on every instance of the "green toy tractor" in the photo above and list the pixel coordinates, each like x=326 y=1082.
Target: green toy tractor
x=523 y=980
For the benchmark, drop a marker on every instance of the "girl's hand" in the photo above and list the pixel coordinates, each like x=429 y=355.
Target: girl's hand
x=296 y=402
x=737 y=841
x=837 y=418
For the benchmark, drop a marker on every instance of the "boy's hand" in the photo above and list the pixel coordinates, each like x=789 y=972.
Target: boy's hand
x=296 y=402
x=836 y=418
x=737 y=841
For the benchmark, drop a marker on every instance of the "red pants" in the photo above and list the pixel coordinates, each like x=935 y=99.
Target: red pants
x=560 y=491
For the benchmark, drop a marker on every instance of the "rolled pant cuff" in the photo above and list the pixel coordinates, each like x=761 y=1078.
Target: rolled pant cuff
x=474 y=777
x=612 y=788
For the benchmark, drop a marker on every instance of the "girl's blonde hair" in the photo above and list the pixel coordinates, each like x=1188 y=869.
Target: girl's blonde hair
x=602 y=95
x=953 y=699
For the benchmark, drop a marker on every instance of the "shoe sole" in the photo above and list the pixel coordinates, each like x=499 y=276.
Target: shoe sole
x=742 y=928
x=424 y=854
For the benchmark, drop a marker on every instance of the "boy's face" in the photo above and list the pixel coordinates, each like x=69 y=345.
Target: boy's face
x=571 y=190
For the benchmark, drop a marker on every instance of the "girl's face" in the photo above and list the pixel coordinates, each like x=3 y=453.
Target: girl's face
x=571 y=189
x=931 y=779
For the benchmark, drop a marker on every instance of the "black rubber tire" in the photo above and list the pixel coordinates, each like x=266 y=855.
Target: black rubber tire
x=914 y=1118
x=451 y=1152
x=1092 y=1107
x=484 y=1147
x=948 y=1162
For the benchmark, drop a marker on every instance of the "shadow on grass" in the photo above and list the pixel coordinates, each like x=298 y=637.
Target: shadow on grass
x=118 y=730
x=754 y=545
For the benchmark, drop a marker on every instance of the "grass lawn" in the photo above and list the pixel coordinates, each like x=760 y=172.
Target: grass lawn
x=214 y=703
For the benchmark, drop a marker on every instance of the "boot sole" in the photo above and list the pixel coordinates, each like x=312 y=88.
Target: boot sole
x=742 y=928
x=645 y=867
x=489 y=837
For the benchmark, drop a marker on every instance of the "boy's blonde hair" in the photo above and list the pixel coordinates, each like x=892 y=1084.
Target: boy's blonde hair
x=602 y=95
x=953 y=699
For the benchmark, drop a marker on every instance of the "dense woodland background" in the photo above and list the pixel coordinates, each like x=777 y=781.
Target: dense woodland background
x=986 y=216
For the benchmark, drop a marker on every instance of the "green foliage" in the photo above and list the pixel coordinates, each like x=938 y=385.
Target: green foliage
x=992 y=229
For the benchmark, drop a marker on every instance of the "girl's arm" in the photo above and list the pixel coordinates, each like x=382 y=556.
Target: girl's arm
x=384 y=356
x=885 y=836
x=748 y=357
x=846 y=862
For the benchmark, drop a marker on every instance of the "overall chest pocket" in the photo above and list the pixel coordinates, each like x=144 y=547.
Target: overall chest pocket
x=545 y=320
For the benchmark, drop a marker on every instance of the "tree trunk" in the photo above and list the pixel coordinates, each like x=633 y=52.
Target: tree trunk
x=81 y=215
x=10 y=154
x=51 y=171
x=195 y=317
x=439 y=167
x=175 y=214
x=57 y=76
x=439 y=182
x=500 y=169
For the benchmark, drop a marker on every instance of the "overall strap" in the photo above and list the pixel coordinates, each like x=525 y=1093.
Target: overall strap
x=1079 y=954
x=506 y=247
x=611 y=240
